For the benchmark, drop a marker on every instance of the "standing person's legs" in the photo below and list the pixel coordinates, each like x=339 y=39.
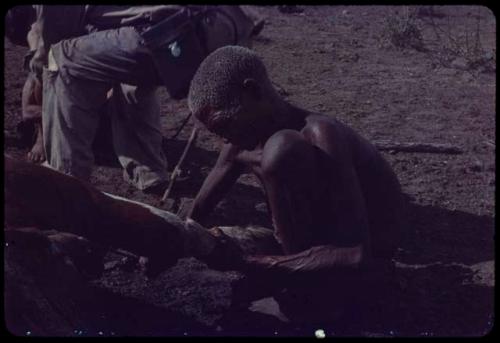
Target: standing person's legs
x=70 y=111
x=88 y=66
x=31 y=103
x=137 y=137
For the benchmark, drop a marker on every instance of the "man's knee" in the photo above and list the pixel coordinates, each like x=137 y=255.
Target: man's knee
x=286 y=151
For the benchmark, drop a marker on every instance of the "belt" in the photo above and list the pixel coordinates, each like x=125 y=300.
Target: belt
x=173 y=25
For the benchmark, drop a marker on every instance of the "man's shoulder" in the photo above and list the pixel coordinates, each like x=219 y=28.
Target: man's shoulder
x=328 y=127
x=323 y=123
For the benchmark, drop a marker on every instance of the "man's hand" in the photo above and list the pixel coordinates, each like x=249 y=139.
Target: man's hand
x=27 y=59
x=227 y=254
x=38 y=61
x=152 y=267
x=129 y=93
x=184 y=211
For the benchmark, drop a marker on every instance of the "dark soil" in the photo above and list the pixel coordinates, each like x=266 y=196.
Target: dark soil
x=337 y=60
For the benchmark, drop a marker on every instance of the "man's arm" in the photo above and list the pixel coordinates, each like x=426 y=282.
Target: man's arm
x=267 y=274
x=31 y=98
x=313 y=260
x=54 y=23
x=221 y=178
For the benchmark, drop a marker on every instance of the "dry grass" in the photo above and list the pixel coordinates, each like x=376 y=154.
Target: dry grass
x=403 y=30
x=450 y=44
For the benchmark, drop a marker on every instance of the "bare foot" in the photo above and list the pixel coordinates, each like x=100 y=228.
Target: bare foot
x=37 y=153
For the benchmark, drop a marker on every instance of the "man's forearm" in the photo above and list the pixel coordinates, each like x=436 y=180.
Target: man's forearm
x=316 y=259
x=216 y=185
x=218 y=182
x=200 y=209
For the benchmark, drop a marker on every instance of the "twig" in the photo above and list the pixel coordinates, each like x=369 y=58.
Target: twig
x=126 y=254
x=490 y=142
x=177 y=169
x=184 y=122
x=418 y=147
x=281 y=91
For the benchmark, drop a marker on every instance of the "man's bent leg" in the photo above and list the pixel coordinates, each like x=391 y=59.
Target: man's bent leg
x=137 y=137
x=88 y=66
x=37 y=152
x=70 y=118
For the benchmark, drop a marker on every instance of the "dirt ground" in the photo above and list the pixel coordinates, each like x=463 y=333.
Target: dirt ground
x=339 y=60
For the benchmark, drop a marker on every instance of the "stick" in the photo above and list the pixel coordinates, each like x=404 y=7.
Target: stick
x=177 y=169
x=281 y=91
x=184 y=122
x=126 y=253
x=490 y=142
x=418 y=147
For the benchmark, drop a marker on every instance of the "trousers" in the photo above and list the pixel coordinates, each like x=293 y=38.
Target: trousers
x=81 y=74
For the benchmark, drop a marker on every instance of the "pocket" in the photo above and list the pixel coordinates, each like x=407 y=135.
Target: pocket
x=48 y=78
x=52 y=64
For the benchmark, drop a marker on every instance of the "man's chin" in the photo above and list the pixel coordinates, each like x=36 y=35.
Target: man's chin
x=245 y=145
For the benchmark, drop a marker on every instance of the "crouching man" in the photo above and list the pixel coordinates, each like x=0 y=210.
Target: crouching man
x=336 y=204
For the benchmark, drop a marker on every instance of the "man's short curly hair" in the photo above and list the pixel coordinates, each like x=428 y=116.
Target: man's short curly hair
x=218 y=83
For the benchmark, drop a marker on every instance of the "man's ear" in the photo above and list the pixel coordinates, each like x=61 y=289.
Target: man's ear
x=251 y=87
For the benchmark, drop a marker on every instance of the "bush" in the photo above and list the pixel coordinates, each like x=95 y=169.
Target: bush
x=403 y=30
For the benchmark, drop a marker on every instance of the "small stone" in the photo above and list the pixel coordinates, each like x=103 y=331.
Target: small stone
x=169 y=204
x=143 y=260
x=261 y=207
x=320 y=334
x=476 y=166
x=127 y=263
x=175 y=49
x=459 y=63
x=467 y=78
x=446 y=72
x=111 y=265
x=488 y=55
